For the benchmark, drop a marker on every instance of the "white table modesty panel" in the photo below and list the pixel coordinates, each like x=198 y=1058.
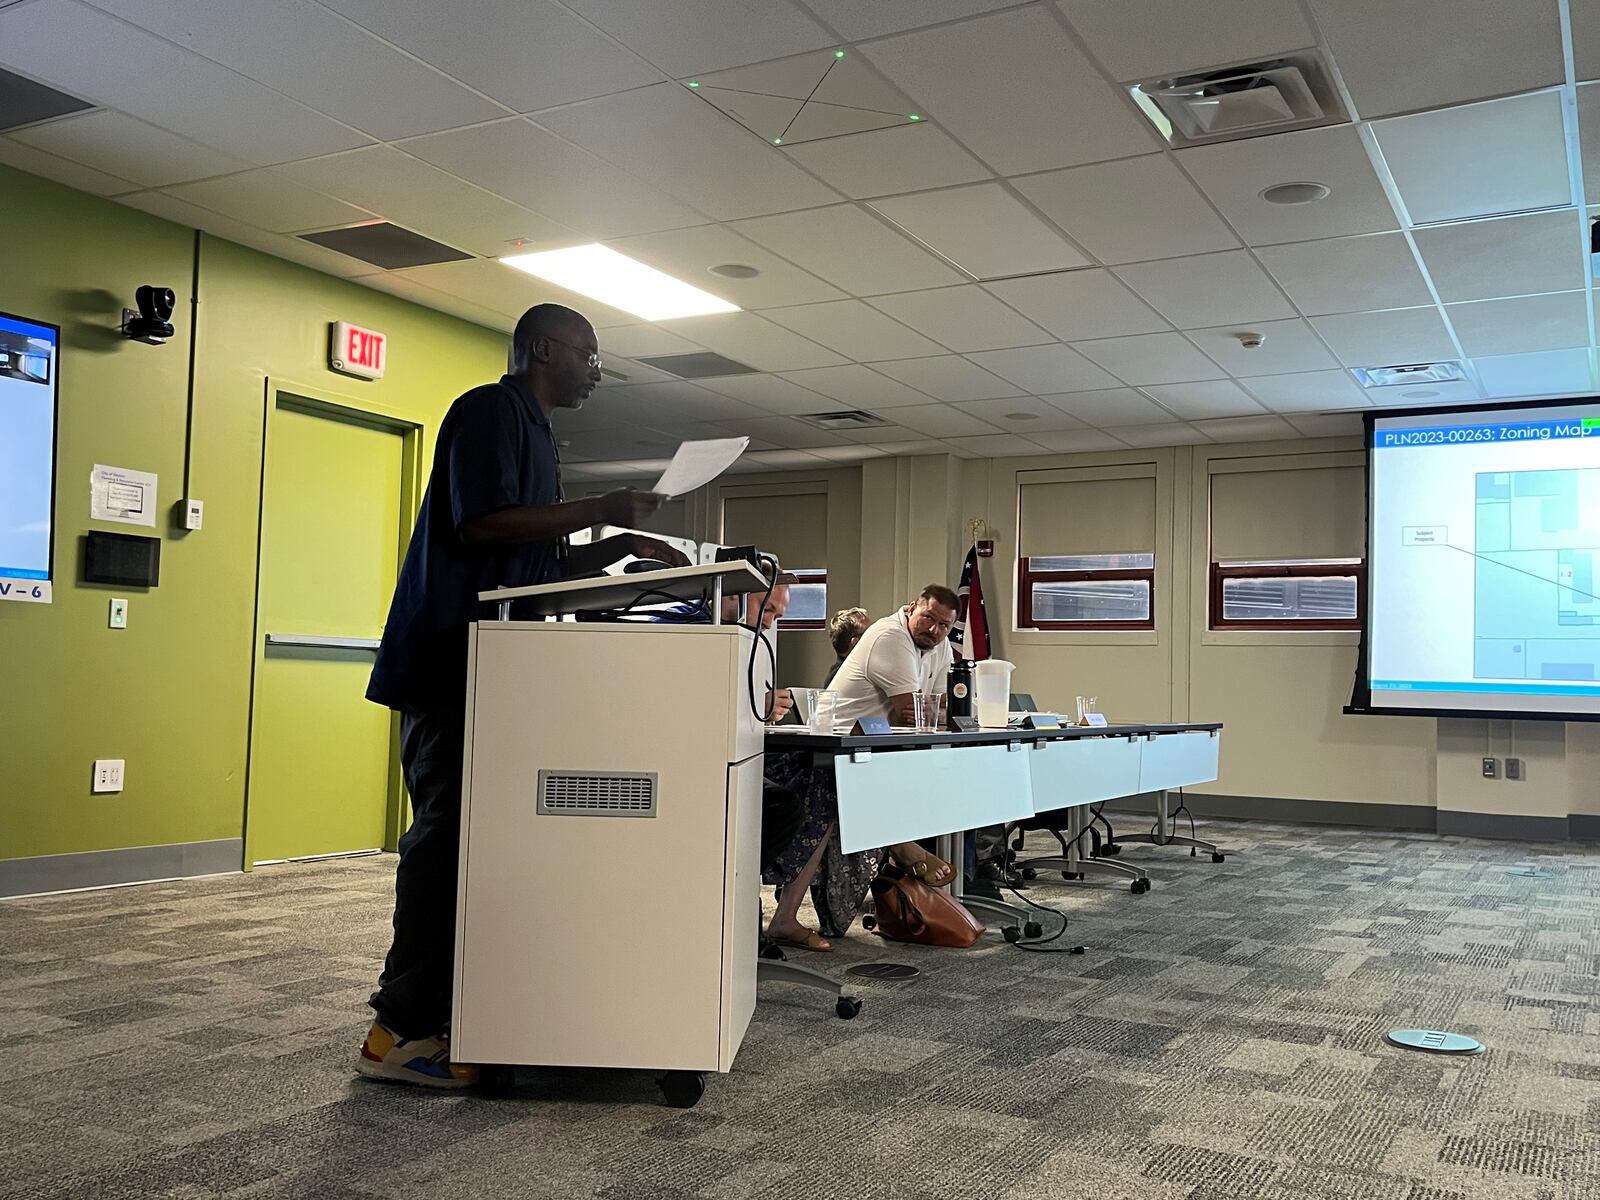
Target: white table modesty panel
x=546 y=971
x=1173 y=760
x=1085 y=771
x=894 y=796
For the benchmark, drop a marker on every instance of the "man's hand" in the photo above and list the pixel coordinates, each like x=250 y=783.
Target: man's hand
x=649 y=547
x=782 y=702
x=627 y=507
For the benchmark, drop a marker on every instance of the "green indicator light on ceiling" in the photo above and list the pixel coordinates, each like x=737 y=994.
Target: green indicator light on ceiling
x=694 y=83
x=914 y=117
x=838 y=53
x=777 y=141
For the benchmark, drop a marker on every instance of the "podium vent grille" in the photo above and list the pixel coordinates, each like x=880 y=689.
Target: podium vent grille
x=597 y=793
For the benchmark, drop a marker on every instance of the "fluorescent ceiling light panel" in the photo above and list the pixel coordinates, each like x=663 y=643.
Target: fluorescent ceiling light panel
x=602 y=274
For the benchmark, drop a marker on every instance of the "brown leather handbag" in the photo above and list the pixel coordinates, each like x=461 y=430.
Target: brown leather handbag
x=908 y=910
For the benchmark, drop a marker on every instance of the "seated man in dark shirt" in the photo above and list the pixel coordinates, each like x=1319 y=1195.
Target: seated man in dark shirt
x=493 y=516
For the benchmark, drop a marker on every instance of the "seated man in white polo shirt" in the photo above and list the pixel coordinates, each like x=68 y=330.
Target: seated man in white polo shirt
x=897 y=658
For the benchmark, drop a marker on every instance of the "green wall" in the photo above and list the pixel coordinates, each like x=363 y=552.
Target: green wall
x=170 y=694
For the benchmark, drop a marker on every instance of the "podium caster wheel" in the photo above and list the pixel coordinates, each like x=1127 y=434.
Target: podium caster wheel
x=1111 y=848
x=774 y=951
x=1029 y=874
x=1033 y=929
x=1139 y=886
x=1219 y=857
x=847 y=1008
x=869 y=922
x=682 y=1089
x=496 y=1080
x=1011 y=933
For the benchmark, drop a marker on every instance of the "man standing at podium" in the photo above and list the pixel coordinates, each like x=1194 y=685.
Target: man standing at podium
x=493 y=516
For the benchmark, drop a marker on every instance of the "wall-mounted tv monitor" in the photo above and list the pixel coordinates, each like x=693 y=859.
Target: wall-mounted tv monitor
x=1483 y=562
x=30 y=358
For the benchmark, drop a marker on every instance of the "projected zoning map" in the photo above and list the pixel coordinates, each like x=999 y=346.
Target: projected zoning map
x=1537 y=590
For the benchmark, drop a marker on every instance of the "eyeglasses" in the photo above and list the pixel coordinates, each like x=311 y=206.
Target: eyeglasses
x=593 y=356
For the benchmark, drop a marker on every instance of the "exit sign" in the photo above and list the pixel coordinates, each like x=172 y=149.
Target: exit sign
x=353 y=350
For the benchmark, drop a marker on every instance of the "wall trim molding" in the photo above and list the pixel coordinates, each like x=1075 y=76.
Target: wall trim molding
x=1313 y=812
x=111 y=868
x=1504 y=826
x=1583 y=827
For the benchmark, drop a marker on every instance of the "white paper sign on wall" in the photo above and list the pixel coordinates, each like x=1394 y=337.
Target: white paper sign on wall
x=29 y=591
x=353 y=350
x=118 y=494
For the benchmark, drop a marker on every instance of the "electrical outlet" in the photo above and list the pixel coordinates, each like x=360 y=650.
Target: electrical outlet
x=119 y=614
x=1513 y=768
x=1491 y=768
x=108 y=774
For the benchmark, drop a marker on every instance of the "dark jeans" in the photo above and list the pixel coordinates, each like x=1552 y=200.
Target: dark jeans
x=413 y=996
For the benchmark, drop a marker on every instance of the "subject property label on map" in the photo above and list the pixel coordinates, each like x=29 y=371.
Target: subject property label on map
x=1425 y=535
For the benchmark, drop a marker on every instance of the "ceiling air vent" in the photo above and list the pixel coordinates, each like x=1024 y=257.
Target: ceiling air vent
x=849 y=418
x=697 y=366
x=1410 y=373
x=1246 y=100
x=24 y=102
x=385 y=245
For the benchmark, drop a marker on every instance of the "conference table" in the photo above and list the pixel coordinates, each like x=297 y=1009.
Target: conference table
x=900 y=787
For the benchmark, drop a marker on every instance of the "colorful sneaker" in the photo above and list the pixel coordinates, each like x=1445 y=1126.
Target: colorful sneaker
x=423 y=1061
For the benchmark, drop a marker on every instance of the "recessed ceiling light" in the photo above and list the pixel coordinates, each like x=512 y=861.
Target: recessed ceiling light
x=735 y=270
x=602 y=274
x=1022 y=416
x=1296 y=193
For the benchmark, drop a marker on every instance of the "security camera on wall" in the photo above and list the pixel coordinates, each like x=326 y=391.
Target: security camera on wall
x=152 y=324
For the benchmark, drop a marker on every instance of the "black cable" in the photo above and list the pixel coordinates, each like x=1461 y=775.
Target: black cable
x=763 y=714
x=1037 y=945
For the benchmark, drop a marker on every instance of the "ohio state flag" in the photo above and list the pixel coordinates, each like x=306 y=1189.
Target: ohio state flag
x=971 y=619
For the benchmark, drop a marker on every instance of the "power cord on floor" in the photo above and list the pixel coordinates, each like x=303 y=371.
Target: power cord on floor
x=1037 y=945
x=1157 y=831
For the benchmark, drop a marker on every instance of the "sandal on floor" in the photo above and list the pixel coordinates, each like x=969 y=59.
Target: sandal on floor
x=812 y=940
x=933 y=871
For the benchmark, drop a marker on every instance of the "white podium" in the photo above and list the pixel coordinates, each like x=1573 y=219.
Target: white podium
x=609 y=895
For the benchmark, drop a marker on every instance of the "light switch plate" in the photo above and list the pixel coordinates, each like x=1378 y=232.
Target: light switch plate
x=108 y=774
x=119 y=613
x=1491 y=768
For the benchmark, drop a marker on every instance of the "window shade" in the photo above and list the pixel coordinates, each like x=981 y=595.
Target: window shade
x=1315 y=512
x=1089 y=516
x=794 y=528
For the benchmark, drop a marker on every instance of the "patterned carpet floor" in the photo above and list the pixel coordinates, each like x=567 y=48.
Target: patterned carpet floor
x=1221 y=1038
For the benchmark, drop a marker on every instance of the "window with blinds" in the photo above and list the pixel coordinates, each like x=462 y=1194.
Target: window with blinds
x=1287 y=544
x=794 y=530
x=1086 y=548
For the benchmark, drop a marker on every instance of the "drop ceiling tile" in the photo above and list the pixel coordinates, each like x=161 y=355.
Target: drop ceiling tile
x=1377 y=339
x=688 y=37
x=1507 y=256
x=903 y=158
x=656 y=404
x=427 y=297
x=962 y=319
x=1548 y=373
x=181 y=212
x=1078 y=441
x=1209 y=289
x=529 y=166
x=130 y=149
x=93 y=55
x=527 y=54
x=511 y=292
x=1047 y=108
x=1045 y=370
x=855 y=386
x=791 y=434
x=689 y=254
x=1115 y=406
x=994 y=445
x=1522 y=325
x=263 y=199
x=949 y=378
x=1150 y=358
x=857 y=21
x=645 y=341
x=1309 y=391
x=1517 y=161
x=787 y=460
x=627 y=370
x=1402 y=55
x=432 y=202
x=1247 y=429
x=1162 y=37
x=1194 y=401
x=940 y=421
x=1589 y=134
x=1456 y=391
x=335 y=67
x=1157 y=435
x=765 y=116
x=983 y=229
x=1023 y=415
x=1328 y=424
x=855 y=454
x=37 y=162
x=748 y=338
x=887 y=436
x=687 y=148
x=1290 y=346
x=1349 y=274
x=850 y=248
x=769 y=392
x=1075 y=305
x=1129 y=211
x=854 y=330
x=1234 y=174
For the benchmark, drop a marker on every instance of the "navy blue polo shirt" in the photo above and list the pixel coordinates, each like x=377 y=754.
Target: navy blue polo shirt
x=495 y=450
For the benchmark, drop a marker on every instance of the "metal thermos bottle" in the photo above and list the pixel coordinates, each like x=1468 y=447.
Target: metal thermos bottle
x=960 y=689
